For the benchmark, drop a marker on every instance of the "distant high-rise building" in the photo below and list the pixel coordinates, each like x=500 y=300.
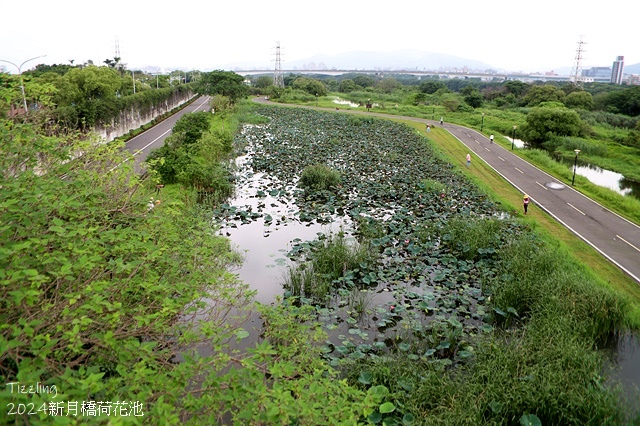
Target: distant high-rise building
x=616 y=71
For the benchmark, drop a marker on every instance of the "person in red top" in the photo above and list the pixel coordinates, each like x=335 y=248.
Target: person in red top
x=525 y=202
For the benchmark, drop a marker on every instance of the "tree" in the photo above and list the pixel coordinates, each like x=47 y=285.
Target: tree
x=579 y=100
x=263 y=82
x=431 y=87
x=545 y=122
x=516 y=87
x=388 y=85
x=474 y=98
x=310 y=85
x=193 y=126
x=90 y=82
x=347 y=86
x=625 y=101
x=226 y=83
x=364 y=81
x=546 y=93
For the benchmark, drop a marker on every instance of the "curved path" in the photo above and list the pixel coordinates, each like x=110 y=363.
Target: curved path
x=141 y=145
x=611 y=235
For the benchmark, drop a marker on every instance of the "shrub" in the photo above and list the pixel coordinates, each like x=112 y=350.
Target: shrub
x=319 y=177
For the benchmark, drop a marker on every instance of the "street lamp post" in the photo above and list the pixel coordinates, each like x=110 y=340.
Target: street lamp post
x=575 y=164
x=482 y=124
x=316 y=99
x=24 y=97
x=513 y=138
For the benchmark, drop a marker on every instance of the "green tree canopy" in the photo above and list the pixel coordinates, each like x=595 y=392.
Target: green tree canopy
x=545 y=122
x=474 y=98
x=516 y=87
x=546 y=93
x=347 y=86
x=90 y=82
x=579 y=100
x=364 y=81
x=310 y=85
x=226 y=83
x=388 y=84
x=625 y=101
x=263 y=81
x=431 y=87
x=193 y=126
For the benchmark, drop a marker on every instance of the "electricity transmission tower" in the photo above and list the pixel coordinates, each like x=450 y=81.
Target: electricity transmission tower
x=278 y=80
x=576 y=72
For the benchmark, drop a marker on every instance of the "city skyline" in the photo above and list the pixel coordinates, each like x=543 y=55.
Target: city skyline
x=204 y=36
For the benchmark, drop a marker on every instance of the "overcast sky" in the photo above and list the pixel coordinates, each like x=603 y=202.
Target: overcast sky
x=205 y=35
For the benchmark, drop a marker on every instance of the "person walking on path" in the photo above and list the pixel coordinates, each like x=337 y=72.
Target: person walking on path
x=441 y=120
x=428 y=128
x=491 y=138
x=468 y=159
x=525 y=203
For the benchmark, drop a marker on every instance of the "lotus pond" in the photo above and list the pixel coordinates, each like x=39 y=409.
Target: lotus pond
x=407 y=240
x=402 y=256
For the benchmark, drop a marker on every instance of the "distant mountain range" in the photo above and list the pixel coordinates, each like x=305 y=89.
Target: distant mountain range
x=394 y=60
x=384 y=61
x=398 y=60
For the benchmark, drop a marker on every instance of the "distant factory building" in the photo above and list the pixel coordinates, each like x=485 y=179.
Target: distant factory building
x=599 y=74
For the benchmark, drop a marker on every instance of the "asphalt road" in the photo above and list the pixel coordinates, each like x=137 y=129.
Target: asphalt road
x=616 y=238
x=141 y=145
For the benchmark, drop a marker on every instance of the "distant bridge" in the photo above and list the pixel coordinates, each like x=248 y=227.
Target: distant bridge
x=442 y=74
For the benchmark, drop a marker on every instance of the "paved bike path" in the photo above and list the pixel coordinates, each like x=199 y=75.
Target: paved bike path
x=613 y=236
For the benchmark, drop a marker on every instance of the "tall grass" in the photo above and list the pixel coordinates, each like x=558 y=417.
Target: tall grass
x=546 y=364
x=329 y=266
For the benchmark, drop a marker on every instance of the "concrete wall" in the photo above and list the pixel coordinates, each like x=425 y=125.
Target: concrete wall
x=133 y=118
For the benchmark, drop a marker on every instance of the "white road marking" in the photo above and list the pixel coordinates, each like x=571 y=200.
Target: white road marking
x=519 y=170
x=573 y=207
x=545 y=188
x=627 y=242
x=501 y=158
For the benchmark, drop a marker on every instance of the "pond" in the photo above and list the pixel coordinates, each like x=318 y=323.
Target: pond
x=599 y=176
x=608 y=179
x=624 y=364
x=420 y=299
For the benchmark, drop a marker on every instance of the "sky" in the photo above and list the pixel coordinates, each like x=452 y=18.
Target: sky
x=511 y=35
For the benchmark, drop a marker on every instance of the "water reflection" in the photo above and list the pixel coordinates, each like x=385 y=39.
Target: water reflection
x=607 y=179
x=599 y=176
x=341 y=101
x=624 y=367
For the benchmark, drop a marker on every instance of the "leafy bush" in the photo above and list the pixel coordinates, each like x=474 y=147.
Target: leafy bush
x=192 y=126
x=95 y=279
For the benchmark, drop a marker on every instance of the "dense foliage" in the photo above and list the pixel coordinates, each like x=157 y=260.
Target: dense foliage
x=193 y=156
x=225 y=83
